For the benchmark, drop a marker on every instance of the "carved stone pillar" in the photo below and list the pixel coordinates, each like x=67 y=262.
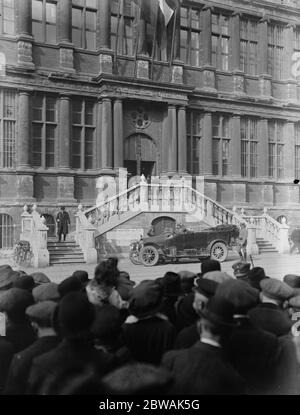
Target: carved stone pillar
x=118 y=133
x=105 y=57
x=263 y=149
x=172 y=129
x=65 y=132
x=24 y=131
x=182 y=143
x=235 y=146
x=106 y=136
x=207 y=143
x=291 y=81
x=24 y=30
x=265 y=80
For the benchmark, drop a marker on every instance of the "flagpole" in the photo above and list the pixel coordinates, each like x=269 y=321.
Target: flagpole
x=138 y=37
x=154 y=42
x=173 y=38
x=117 y=35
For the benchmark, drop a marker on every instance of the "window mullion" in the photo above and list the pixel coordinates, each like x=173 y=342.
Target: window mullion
x=82 y=137
x=44 y=19
x=44 y=128
x=2 y=127
x=83 y=36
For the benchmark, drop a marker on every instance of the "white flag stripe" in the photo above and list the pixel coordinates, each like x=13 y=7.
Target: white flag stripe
x=166 y=10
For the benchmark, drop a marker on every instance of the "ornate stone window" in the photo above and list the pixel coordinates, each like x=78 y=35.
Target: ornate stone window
x=6 y=231
x=84 y=24
x=44 y=21
x=83 y=134
x=7 y=17
x=8 y=118
x=249 y=146
x=140 y=118
x=44 y=130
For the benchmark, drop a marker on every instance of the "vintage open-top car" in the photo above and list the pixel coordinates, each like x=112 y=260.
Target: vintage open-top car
x=212 y=242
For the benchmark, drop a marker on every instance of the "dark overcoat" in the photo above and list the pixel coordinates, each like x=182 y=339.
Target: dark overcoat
x=187 y=337
x=256 y=355
x=20 y=334
x=6 y=354
x=202 y=370
x=63 y=220
x=21 y=364
x=53 y=371
x=149 y=339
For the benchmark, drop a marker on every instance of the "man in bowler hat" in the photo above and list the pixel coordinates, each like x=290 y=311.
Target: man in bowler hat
x=63 y=220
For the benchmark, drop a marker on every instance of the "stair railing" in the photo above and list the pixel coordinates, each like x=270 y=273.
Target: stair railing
x=85 y=236
x=35 y=231
x=160 y=197
x=271 y=230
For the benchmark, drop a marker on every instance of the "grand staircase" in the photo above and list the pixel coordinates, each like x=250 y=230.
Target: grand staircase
x=68 y=252
x=265 y=246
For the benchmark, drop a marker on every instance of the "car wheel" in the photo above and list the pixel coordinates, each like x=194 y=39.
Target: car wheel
x=149 y=256
x=134 y=258
x=219 y=251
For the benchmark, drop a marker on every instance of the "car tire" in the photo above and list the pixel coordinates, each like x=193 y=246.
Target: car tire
x=134 y=258
x=219 y=251
x=149 y=256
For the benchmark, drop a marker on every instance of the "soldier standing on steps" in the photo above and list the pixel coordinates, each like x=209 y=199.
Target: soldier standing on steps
x=63 y=220
x=242 y=246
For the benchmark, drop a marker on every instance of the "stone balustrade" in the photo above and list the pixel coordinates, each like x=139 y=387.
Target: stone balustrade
x=35 y=231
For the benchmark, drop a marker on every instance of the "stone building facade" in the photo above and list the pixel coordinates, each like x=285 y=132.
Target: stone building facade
x=77 y=101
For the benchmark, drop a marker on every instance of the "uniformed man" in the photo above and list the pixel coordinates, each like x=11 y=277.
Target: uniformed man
x=243 y=242
x=63 y=220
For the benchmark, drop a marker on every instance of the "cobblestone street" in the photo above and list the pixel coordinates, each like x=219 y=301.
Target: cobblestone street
x=275 y=265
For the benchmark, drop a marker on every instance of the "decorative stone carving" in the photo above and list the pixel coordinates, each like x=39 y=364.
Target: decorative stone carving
x=292 y=91
x=140 y=118
x=177 y=74
x=66 y=60
x=142 y=69
x=265 y=86
x=106 y=63
x=209 y=79
x=25 y=53
x=239 y=84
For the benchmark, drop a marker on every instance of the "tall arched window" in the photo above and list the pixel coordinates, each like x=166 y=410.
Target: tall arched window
x=6 y=231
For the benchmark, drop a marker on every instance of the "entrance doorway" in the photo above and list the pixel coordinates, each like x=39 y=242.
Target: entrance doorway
x=163 y=224
x=140 y=155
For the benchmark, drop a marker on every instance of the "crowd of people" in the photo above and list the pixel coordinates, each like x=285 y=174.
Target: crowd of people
x=182 y=333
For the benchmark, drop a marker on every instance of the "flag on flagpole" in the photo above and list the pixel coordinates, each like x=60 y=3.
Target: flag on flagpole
x=166 y=10
x=149 y=9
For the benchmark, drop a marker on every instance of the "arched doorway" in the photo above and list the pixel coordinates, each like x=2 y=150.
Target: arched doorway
x=140 y=155
x=163 y=223
x=6 y=231
x=50 y=222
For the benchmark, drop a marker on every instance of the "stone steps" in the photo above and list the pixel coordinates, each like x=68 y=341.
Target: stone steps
x=68 y=252
x=265 y=246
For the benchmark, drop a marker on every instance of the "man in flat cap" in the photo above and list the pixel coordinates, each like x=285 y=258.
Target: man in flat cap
x=41 y=316
x=147 y=331
x=269 y=315
x=204 y=290
x=256 y=354
x=203 y=368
